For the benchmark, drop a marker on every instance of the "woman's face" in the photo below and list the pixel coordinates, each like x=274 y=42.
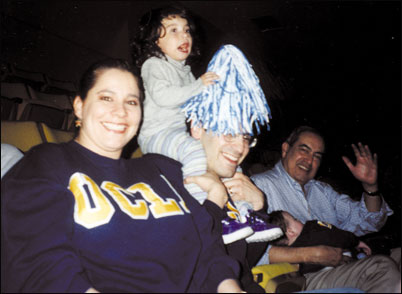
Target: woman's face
x=110 y=114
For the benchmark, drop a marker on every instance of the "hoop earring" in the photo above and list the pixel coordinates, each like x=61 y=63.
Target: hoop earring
x=78 y=123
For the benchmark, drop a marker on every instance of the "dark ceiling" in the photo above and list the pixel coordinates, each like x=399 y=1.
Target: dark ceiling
x=332 y=64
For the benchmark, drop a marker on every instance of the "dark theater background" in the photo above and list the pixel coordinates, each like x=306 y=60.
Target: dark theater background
x=334 y=65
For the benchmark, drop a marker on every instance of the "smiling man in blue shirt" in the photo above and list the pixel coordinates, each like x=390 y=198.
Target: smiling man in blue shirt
x=290 y=186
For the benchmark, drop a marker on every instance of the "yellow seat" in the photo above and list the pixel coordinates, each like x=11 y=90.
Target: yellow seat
x=137 y=153
x=56 y=136
x=21 y=134
x=264 y=273
x=26 y=134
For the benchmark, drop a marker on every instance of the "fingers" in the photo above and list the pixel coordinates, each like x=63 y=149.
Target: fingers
x=211 y=75
x=236 y=183
x=362 y=151
x=346 y=259
x=232 y=188
x=209 y=78
x=366 y=150
x=190 y=180
x=347 y=162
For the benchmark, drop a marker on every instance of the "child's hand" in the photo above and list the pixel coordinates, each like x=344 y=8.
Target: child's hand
x=210 y=183
x=363 y=246
x=209 y=78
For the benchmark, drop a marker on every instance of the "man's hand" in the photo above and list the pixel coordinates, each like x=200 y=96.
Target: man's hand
x=365 y=169
x=240 y=187
x=210 y=183
x=363 y=246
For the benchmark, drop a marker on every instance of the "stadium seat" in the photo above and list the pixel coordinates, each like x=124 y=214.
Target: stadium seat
x=52 y=109
x=21 y=134
x=55 y=135
x=264 y=275
x=26 y=134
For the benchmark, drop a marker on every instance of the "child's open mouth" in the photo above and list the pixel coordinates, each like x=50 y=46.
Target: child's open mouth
x=184 y=48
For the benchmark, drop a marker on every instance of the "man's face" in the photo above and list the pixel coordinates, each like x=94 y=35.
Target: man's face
x=302 y=160
x=223 y=156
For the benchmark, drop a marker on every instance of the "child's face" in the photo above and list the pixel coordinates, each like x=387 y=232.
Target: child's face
x=175 y=40
x=293 y=227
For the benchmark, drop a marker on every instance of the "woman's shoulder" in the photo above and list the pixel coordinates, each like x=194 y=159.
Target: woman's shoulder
x=48 y=153
x=158 y=163
x=159 y=160
x=47 y=149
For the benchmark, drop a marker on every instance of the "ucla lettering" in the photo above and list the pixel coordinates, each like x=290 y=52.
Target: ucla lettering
x=137 y=201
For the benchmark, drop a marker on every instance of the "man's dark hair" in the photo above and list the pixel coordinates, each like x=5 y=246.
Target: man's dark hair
x=295 y=134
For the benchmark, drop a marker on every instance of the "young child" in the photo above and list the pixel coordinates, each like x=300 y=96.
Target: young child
x=164 y=45
x=314 y=233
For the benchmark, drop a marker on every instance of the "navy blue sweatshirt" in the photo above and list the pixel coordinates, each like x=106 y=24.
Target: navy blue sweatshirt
x=72 y=219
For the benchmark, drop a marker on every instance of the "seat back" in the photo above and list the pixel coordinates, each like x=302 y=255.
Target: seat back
x=56 y=84
x=26 y=134
x=264 y=273
x=12 y=90
x=137 y=153
x=21 y=134
x=9 y=108
x=56 y=136
x=55 y=110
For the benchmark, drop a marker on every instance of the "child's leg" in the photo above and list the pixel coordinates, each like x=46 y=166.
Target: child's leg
x=192 y=156
x=179 y=145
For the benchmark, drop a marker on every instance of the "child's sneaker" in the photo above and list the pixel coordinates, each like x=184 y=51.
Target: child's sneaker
x=233 y=230
x=263 y=230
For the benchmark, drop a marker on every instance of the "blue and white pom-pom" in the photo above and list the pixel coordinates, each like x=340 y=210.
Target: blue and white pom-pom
x=235 y=102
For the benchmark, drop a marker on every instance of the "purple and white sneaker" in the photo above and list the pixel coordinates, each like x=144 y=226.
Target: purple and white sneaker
x=263 y=230
x=233 y=230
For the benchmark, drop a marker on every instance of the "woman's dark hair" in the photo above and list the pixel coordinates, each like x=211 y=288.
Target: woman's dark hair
x=91 y=75
x=150 y=28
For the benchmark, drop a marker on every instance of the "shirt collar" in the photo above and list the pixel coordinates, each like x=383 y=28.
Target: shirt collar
x=181 y=65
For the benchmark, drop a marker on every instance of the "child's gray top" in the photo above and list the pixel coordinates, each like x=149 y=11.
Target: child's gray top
x=168 y=84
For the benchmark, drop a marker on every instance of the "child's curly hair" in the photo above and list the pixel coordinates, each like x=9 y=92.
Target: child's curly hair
x=150 y=28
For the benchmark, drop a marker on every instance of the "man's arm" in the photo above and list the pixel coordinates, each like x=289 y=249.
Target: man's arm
x=325 y=255
x=365 y=170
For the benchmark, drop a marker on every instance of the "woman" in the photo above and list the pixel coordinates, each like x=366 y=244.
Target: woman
x=76 y=217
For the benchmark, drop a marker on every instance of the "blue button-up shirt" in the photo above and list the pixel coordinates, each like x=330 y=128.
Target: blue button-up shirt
x=321 y=202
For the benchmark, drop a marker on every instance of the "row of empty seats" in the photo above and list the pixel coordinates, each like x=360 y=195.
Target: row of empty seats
x=19 y=101
x=38 y=80
x=34 y=96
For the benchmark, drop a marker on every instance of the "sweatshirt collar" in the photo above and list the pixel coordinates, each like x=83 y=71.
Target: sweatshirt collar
x=178 y=64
